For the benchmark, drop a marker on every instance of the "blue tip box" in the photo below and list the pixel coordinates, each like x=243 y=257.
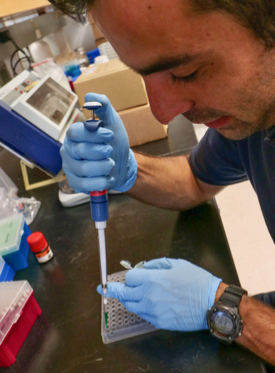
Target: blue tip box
x=14 y=248
x=6 y=272
x=92 y=55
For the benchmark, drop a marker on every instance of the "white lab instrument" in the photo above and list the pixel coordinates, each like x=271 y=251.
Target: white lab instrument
x=43 y=102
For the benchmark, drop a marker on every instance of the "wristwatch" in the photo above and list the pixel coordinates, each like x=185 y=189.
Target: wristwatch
x=223 y=319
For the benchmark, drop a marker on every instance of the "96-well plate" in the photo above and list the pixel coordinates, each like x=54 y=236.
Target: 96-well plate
x=121 y=323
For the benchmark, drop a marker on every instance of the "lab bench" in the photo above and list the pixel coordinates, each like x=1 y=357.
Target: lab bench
x=66 y=338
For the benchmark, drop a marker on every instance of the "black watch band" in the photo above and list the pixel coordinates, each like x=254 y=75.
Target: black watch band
x=223 y=319
x=232 y=295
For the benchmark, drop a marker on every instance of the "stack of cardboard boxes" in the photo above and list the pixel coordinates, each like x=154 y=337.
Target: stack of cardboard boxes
x=126 y=91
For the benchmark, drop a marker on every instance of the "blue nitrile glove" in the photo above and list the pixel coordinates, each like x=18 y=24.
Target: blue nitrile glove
x=171 y=294
x=94 y=161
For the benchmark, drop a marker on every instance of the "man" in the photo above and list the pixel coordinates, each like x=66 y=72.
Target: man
x=212 y=60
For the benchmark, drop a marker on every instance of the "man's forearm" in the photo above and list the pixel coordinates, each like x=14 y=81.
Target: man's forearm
x=258 y=333
x=168 y=182
x=259 y=328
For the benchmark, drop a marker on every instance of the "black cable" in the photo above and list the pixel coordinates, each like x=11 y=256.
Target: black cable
x=16 y=46
x=18 y=49
x=17 y=62
x=20 y=59
x=30 y=55
x=13 y=67
x=11 y=58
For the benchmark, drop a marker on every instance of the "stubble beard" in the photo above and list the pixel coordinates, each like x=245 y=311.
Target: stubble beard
x=264 y=118
x=262 y=112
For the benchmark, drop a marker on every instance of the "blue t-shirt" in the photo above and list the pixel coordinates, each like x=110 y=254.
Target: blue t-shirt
x=220 y=161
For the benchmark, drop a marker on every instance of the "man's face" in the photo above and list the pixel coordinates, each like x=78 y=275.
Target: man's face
x=207 y=67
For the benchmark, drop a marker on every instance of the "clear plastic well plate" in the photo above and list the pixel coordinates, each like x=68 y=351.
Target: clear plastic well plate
x=121 y=324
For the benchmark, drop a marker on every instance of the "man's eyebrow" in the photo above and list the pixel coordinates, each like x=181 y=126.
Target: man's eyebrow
x=164 y=64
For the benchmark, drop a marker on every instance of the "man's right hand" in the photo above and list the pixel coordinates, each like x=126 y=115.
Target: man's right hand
x=94 y=161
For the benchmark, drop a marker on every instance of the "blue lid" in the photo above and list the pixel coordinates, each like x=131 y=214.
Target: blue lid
x=6 y=272
x=2 y=263
x=92 y=55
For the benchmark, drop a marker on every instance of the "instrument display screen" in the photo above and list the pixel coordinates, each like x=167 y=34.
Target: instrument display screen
x=52 y=100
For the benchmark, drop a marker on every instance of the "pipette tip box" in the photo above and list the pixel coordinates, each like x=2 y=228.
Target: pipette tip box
x=18 y=312
x=120 y=324
x=14 y=248
x=6 y=272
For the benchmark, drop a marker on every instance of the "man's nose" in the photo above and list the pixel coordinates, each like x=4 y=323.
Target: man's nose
x=166 y=100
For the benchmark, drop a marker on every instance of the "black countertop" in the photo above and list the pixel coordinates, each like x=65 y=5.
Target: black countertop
x=66 y=338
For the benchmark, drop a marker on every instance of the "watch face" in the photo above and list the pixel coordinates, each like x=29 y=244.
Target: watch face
x=222 y=323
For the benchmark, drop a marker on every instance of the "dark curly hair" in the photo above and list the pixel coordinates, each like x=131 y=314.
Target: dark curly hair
x=256 y=15
x=75 y=9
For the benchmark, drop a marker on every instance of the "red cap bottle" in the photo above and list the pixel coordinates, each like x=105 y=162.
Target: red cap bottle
x=39 y=246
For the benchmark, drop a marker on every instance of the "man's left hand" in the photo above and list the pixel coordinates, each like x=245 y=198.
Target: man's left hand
x=171 y=294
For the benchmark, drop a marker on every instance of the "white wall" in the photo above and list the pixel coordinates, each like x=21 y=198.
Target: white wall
x=77 y=35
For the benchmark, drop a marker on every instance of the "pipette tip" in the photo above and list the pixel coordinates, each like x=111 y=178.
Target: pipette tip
x=105 y=301
x=104 y=292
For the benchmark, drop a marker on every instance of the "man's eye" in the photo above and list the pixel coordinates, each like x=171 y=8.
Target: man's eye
x=184 y=79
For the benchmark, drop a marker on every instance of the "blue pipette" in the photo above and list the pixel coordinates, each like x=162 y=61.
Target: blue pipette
x=99 y=203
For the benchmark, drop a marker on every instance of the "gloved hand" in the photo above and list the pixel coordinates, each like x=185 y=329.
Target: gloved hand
x=171 y=294
x=94 y=161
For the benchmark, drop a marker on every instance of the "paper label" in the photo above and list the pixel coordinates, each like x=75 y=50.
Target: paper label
x=90 y=70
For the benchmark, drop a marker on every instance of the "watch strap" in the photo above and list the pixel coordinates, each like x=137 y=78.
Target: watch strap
x=232 y=295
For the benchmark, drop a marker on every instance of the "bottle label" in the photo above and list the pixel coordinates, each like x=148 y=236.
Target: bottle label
x=44 y=255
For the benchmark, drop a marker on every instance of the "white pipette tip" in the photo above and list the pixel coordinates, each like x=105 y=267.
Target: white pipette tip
x=104 y=292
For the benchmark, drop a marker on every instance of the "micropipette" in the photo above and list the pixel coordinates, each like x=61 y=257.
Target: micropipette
x=99 y=206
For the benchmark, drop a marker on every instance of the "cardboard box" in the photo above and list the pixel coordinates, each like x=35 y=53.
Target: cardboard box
x=124 y=88
x=97 y=33
x=91 y=20
x=142 y=126
x=100 y=41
